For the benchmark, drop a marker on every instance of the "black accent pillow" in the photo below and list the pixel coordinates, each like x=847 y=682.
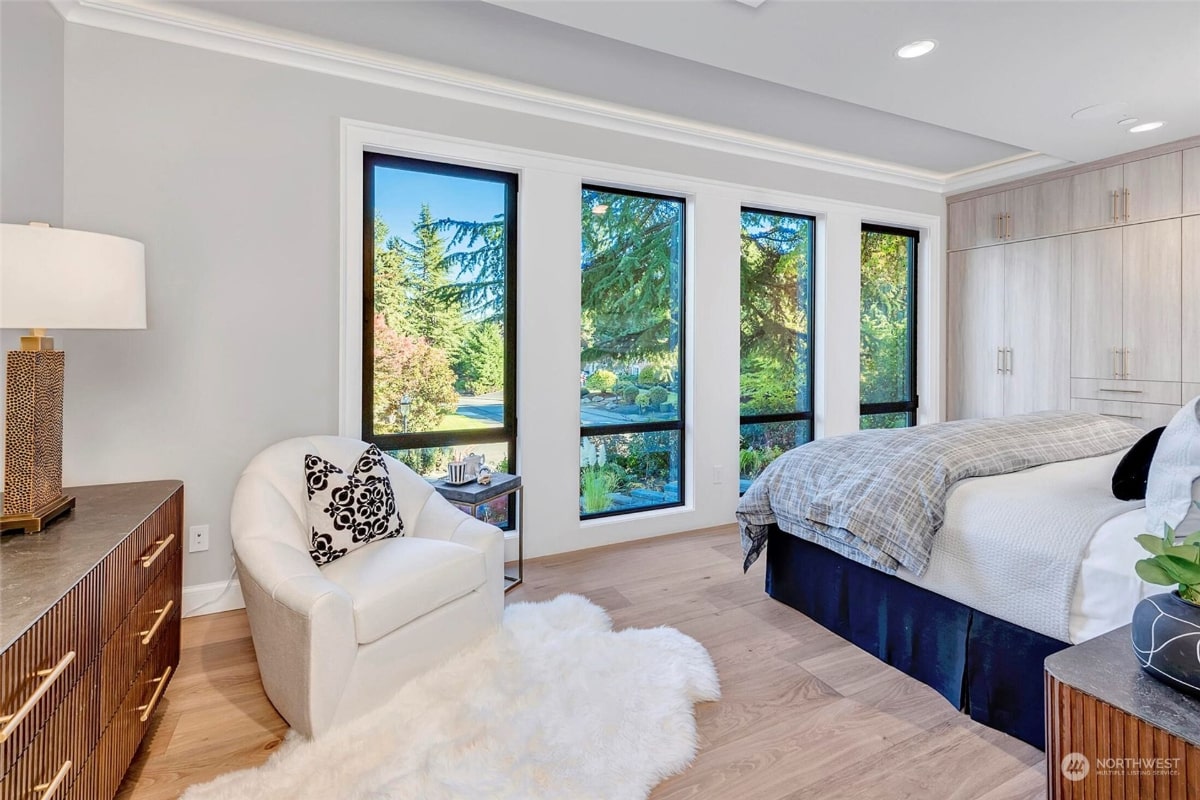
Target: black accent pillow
x=1129 y=479
x=348 y=511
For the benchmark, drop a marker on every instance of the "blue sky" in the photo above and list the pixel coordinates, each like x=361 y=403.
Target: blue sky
x=399 y=194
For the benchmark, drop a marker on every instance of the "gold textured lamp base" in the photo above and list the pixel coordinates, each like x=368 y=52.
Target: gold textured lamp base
x=33 y=427
x=36 y=520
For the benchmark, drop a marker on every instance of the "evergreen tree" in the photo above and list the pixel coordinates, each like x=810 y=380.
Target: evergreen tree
x=436 y=315
x=479 y=361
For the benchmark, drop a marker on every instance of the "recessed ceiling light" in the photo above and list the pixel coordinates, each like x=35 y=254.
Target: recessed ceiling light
x=1127 y=121
x=600 y=208
x=916 y=49
x=1146 y=126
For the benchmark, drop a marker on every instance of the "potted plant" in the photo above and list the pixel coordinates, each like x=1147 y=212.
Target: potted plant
x=1166 y=627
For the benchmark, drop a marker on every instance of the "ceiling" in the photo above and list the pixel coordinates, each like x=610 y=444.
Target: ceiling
x=1001 y=85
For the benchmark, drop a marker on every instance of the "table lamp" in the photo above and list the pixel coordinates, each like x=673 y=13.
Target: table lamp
x=54 y=278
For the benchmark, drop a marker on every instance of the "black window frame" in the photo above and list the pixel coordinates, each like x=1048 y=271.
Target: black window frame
x=811 y=300
x=507 y=431
x=909 y=405
x=667 y=425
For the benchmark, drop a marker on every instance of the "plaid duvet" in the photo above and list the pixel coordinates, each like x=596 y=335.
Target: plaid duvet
x=879 y=497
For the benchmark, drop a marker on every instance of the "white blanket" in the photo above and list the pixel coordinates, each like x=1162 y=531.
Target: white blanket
x=1011 y=545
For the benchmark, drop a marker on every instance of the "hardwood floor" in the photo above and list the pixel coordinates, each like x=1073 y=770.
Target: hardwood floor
x=803 y=714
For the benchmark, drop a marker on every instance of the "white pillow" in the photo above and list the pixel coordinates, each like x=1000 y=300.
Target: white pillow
x=1174 y=482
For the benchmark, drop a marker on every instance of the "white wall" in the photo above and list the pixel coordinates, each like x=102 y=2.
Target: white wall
x=227 y=168
x=31 y=125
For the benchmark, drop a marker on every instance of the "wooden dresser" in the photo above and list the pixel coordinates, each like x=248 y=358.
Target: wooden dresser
x=89 y=639
x=1114 y=732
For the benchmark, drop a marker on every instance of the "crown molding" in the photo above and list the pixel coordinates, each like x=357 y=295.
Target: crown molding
x=218 y=33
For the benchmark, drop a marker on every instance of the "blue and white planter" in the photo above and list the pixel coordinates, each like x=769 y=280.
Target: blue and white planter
x=1166 y=640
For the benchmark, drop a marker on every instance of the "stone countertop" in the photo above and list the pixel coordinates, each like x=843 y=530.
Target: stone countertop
x=38 y=569
x=1106 y=668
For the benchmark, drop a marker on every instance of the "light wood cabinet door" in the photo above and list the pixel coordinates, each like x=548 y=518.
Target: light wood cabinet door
x=1191 y=181
x=1153 y=188
x=1096 y=304
x=1037 y=320
x=975 y=333
x=976 y=222
x=1038 y=210
x=1095 y=198
x=1191 y=300
x=1152 y=278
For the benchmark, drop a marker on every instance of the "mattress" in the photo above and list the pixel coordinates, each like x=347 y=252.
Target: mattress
x=978 y=559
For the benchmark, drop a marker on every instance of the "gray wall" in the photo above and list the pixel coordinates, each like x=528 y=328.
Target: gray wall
x=227 y=169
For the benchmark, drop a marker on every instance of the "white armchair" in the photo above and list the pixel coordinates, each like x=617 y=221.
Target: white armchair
x=334 y=641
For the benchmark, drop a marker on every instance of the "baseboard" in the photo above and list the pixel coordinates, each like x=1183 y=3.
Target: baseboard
x=211 y=598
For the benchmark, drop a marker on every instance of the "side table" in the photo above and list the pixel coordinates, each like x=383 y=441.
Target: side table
x=471 y=496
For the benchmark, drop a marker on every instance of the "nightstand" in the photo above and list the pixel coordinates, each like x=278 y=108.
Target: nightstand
x=1112 y=731
x=472 y=496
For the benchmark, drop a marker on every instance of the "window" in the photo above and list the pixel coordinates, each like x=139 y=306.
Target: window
x=777 y=337
x=439 y=314
x=888 y=338
x=631 y=352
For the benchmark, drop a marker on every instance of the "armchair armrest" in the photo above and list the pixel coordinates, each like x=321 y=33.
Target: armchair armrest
x=439 y=519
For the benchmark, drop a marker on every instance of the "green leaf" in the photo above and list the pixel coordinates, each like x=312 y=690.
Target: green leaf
x=1184 y=571
x=1149 y=571
x=1193 y=539
x=1151 y=543
x=1185 y=551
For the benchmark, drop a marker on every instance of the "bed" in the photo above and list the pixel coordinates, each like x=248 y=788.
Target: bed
x=962 y=553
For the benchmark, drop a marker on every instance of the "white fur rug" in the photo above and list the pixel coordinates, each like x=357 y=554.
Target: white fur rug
x=556 y=705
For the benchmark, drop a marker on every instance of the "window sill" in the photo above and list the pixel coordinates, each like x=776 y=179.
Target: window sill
x=653 y=513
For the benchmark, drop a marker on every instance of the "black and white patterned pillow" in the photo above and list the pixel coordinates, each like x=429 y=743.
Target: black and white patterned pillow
x=346 y=512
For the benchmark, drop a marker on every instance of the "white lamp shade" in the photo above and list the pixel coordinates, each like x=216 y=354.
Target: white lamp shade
x=60 y=278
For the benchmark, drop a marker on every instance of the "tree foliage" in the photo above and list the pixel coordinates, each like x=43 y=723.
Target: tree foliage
x=405 y=365
x=884 y=340
x=479 y=361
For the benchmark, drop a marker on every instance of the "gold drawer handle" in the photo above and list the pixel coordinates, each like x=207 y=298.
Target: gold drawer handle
x=48 y=789
x=163 y=613
x=148 y=709
x=158 y=551
x=11 y=721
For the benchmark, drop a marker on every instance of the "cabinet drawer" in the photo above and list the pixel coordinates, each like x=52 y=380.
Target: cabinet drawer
x=39 y=670
x=134 y=564
x=1190 y=390
x=135 y=714
x=1146 y=416
x=59 y=751
x=127 y=650
x=1165 y=392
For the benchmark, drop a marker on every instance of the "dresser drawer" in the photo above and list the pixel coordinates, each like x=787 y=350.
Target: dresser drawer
x=127 y=650
x=1164 y=392
x=134 y=564
x=1190 y=390
x=1146 y=416
x=39 y=670
x=59 y=751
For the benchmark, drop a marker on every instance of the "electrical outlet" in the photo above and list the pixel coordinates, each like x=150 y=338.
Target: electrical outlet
x=197 y=538
x=718 y=474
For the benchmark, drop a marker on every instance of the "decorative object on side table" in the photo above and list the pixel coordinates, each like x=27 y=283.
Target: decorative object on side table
x=54 y=278
x=1166 y=627
x=472 y=496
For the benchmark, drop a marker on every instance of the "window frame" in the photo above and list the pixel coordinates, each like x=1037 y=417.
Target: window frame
x=507 y=431
x=808 y=416
x=910 y=405
x=679 y=424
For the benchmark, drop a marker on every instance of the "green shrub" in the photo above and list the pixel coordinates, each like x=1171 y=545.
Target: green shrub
x=643 y=401
x=595 y=484
x=602 y=380
x=658 y=395
x=652 y=375
x=621 y=387
x=629 y=394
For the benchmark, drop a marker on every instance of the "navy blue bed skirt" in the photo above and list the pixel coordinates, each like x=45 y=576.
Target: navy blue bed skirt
x=986 y=667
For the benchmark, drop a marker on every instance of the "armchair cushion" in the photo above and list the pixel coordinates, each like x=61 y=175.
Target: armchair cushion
x=349 y=509
x=395 y=581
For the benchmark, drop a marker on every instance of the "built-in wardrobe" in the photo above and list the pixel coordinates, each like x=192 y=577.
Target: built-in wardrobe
x=1079 y=289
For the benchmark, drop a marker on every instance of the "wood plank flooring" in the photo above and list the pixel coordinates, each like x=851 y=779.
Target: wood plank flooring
x=803 y=714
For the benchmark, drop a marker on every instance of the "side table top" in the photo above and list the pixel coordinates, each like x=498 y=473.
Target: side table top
x=1106 y=668
x=474 y=493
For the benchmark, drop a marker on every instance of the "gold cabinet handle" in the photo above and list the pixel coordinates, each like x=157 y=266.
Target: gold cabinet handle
x=1127 y=196
x=11 y=721
x=999 y=226
x=1125 y=363
x=1114 y=206
x=1119 y=416
x=1116 y=364
x=1008 y=360
x=999 y=360
x=1121 y=391
x=158 y=551
x=163 y=613
x=48 y=789
x=1008 y=226
x=148 y=709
